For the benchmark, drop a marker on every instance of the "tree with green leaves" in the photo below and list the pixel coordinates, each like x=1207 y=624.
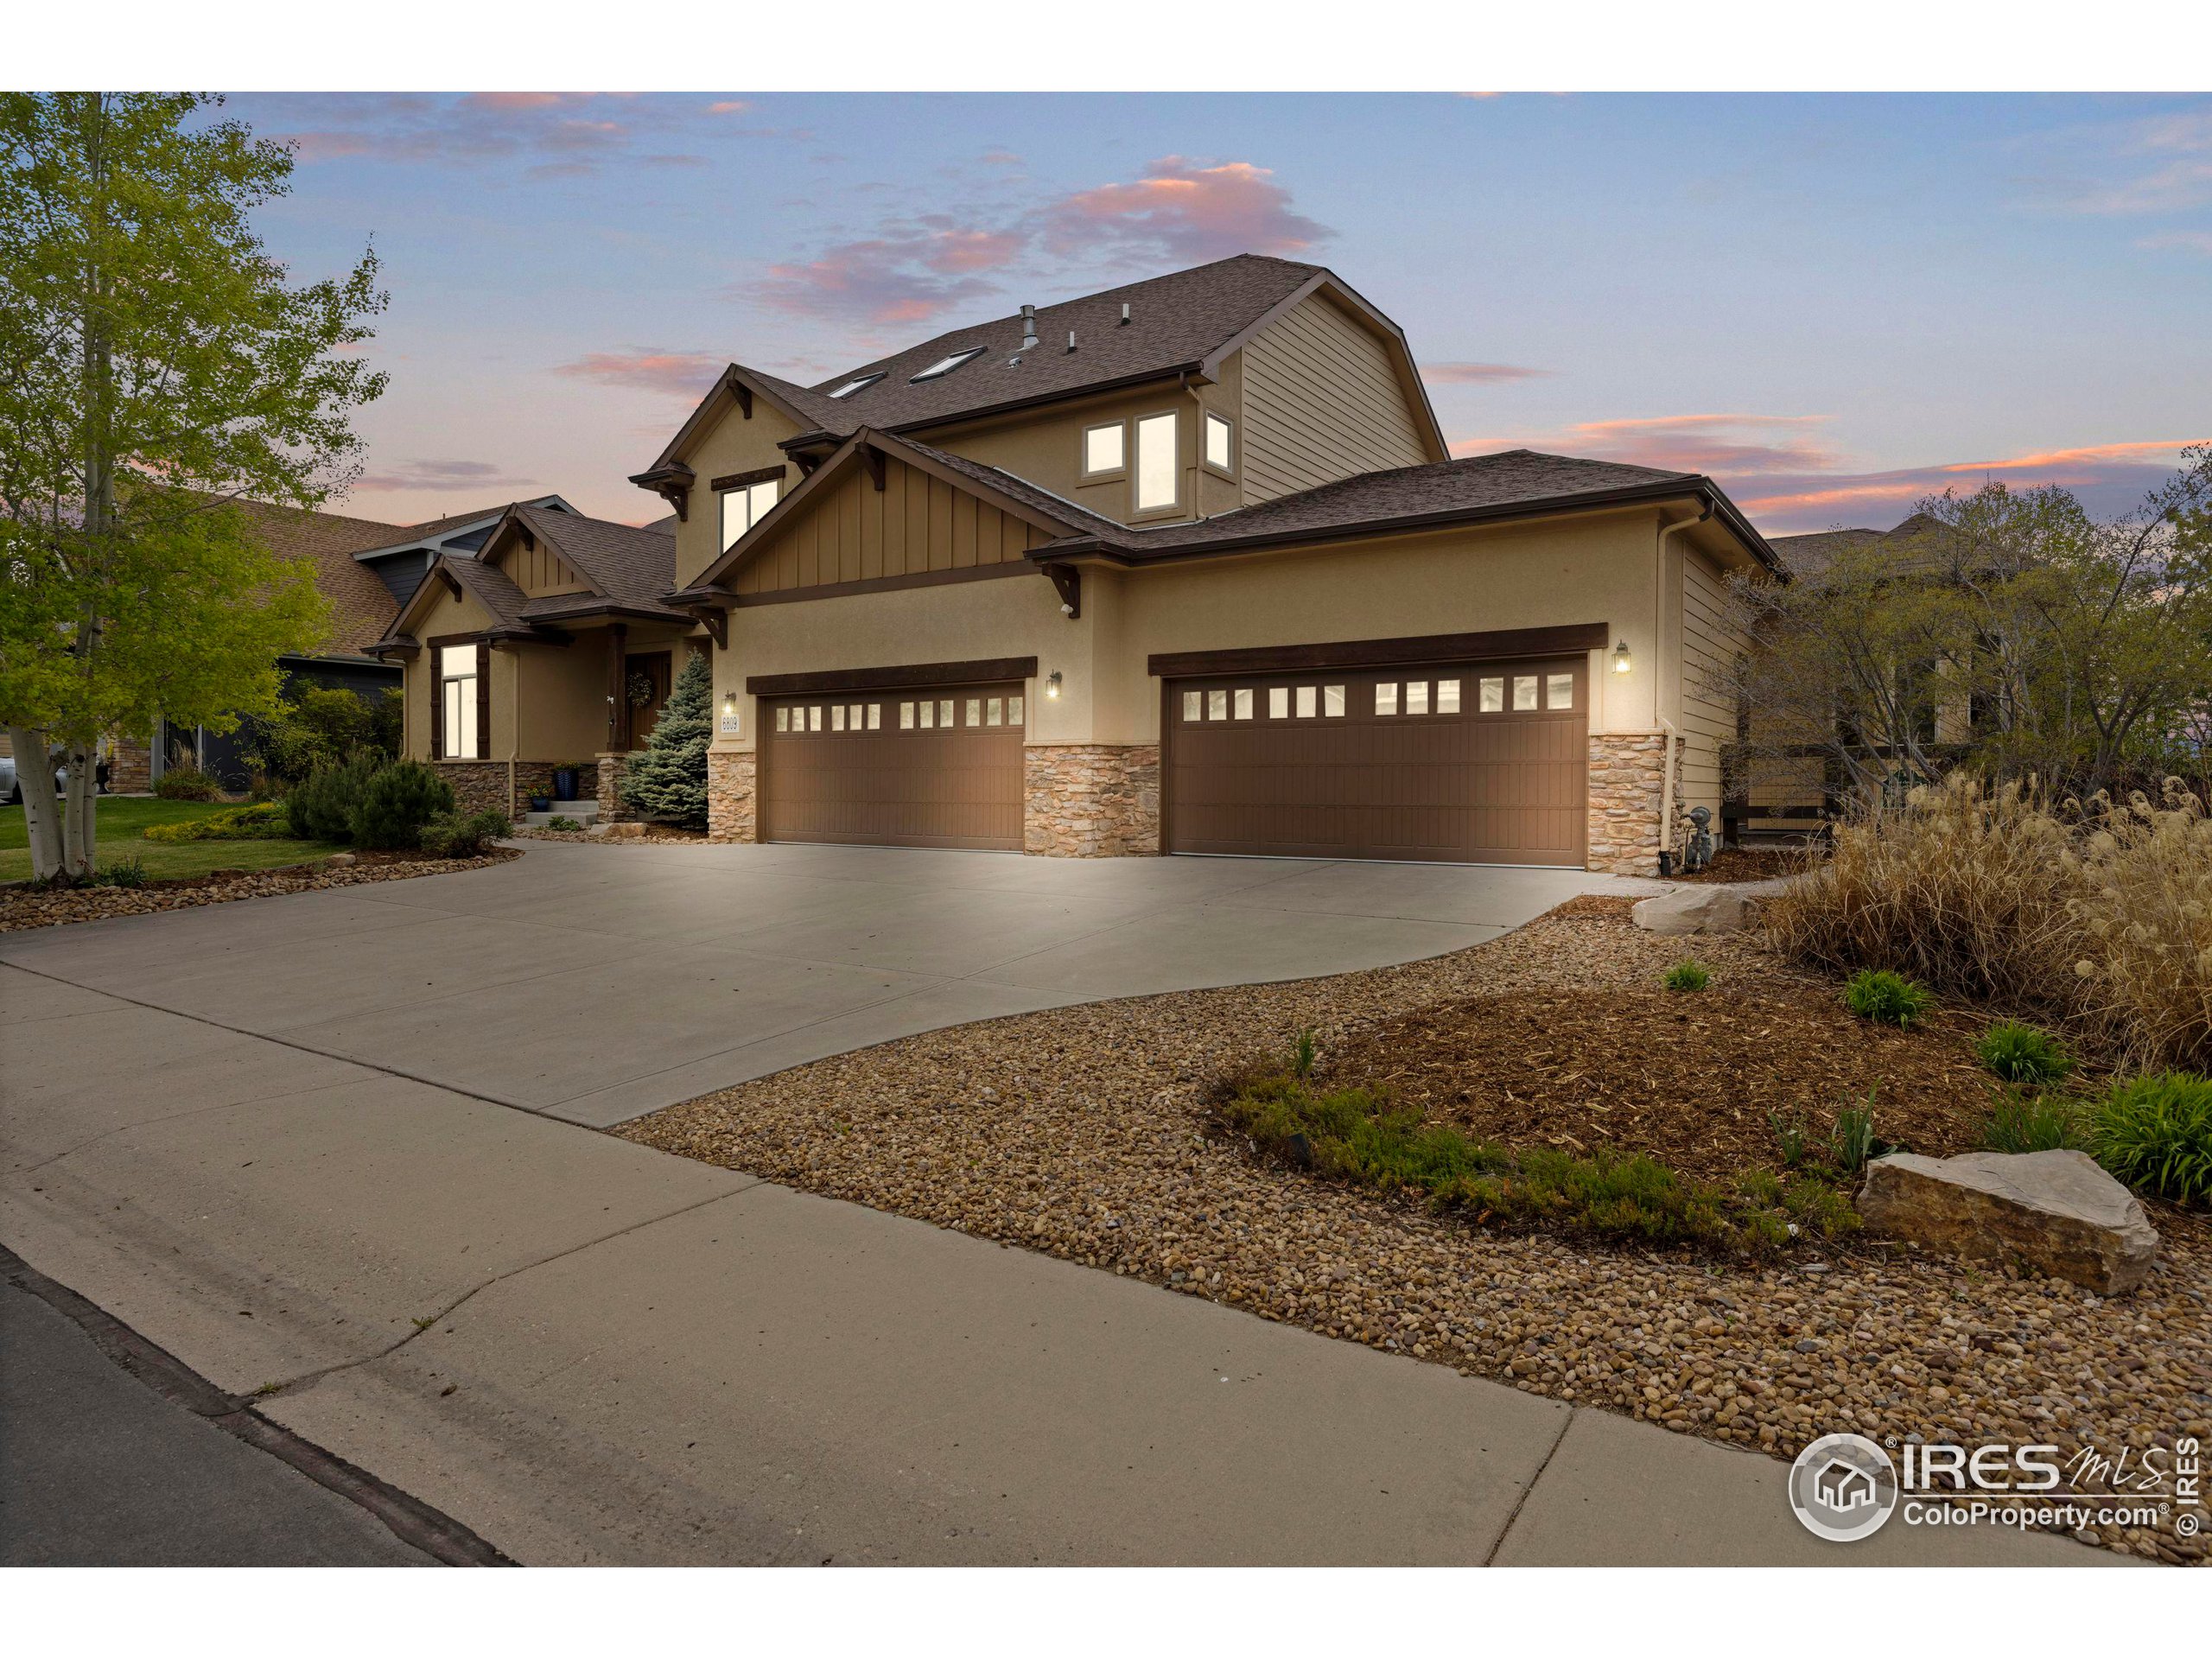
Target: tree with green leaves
x=667 y=780
x=2007 y=630
x=156 y=365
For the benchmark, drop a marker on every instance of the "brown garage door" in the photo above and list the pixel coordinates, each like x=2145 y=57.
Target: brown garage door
x=1483 y=763
x=934 y=767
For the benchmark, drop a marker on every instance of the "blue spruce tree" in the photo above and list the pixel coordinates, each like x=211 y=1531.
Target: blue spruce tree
x=667 y=781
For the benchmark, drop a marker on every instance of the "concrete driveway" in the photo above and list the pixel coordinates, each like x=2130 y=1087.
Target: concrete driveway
x=598 y=984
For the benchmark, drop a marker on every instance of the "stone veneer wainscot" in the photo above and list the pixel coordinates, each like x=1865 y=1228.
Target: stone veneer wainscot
x=501 y=785
x=731 y=798
x=1091 y=800
x=1628 y=770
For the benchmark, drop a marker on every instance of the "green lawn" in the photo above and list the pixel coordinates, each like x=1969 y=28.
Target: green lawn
x=123 y=822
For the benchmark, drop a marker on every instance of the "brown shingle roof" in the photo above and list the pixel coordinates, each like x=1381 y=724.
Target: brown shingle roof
x=1174 y=321
x=361 y=607
x=630 y=566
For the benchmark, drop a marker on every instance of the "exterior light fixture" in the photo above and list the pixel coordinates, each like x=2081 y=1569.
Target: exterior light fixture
x=730 y=703
x=1622 y=661
x=1052 y=685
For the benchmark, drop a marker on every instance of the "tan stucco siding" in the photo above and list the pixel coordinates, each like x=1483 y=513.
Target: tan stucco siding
x=915 y=525
x=1709 y=646
x=731 y=445
x=563 y=698
x=1323 y=400
x=1046 y=447
x=1012 y=616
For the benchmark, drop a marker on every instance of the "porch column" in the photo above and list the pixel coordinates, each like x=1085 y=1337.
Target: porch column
x=618 y=693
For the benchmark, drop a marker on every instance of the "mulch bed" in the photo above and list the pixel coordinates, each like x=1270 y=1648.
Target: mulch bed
x=1688 y=1078
x=26 y=907
x=1747 y=864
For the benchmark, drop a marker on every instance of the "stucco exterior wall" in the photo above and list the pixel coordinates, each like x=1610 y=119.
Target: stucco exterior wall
x=1046 y=447
x=731 y=444
x=445 y=615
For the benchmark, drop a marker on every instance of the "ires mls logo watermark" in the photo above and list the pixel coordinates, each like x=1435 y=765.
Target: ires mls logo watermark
x=1845 y=1487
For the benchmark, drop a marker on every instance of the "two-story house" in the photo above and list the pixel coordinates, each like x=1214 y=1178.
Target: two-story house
x=1182 y=567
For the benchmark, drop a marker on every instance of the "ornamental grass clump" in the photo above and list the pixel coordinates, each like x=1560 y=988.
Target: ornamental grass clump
x=2155 y=1134
x=2144 y=911
x=2022 y=1053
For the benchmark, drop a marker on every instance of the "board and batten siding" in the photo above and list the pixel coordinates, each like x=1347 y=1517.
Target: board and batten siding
x=915 y=524
x=538 y=570
x=1322 y=401
x=1708 y=647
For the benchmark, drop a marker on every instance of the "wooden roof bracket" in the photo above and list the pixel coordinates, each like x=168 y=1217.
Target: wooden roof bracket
x=872 y=458
x=1069 y=580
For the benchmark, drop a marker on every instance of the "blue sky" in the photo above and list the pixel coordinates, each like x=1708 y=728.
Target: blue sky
x=1834 y=304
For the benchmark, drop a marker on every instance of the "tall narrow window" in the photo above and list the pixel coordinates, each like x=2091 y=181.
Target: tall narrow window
x=1220 y=452
x=1156 y=466
x=457 y=697
x=746 y=501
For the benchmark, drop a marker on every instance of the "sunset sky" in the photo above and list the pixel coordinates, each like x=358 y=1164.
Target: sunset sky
x=1834 y=305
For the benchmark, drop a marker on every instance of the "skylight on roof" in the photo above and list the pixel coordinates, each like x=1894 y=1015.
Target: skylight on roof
x=859 y=384
x=946 y=366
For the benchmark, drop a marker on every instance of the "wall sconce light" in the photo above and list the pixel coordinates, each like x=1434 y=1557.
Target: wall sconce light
x=730 y=703
x=1622 y=661
x=1052 y=685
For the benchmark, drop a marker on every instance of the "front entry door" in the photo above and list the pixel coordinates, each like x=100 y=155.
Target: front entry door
x=646 y=682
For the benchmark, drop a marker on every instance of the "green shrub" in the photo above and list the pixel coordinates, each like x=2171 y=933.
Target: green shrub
x=262 y=821
x=1876 y=993
x=1357 y=1135
x=188 y=784
x=667 y=779
x=564 y=823
x=123 y=873
x=2019 y=1052
x=2023 y=1122
x=2155 y=1134
x=1687 y=975
x=315 y=726
x=1817 y=1207
x=321 y=806
x=458 y=835
x=1790 y=1134
x=397 y=803
x=1854 y=1141
x=1303 y=1049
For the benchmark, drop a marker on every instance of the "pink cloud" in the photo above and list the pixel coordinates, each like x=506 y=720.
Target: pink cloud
x=908 y=274
x=520 y=100
x=1733 y=444
x=999 y=158
x=728 y=106
x=2197 y=241
x=1474 y=374
x=681 y=374
x=1183 y=212
x=2109 y=478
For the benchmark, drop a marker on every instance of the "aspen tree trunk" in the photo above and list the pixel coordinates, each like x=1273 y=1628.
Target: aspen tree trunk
x=42 y=811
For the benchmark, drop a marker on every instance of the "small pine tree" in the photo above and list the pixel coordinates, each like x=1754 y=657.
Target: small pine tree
x=667 y=781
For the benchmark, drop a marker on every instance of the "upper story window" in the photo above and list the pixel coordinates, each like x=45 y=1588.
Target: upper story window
x=1105 y=450
x=860 y=383
x=745 y=498
x=1156 y=466
x=1220 y=441
x=457 y=702
x=946 y=364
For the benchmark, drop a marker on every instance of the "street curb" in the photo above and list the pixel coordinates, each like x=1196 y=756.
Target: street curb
x=408 y=1518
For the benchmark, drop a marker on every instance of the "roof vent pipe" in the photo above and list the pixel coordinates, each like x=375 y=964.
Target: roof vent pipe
x=1071 y=339
x=1028 y=326
x=1125 y=314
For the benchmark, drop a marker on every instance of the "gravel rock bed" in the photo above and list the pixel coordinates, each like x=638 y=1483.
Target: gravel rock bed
x=26 y=907
x=1082 y=1133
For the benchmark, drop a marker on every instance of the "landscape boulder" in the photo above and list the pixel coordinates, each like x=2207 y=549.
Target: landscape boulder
x=2057 y=1211
x=1703 y=907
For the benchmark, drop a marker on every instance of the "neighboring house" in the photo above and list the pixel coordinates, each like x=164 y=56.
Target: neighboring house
x=1184 y=566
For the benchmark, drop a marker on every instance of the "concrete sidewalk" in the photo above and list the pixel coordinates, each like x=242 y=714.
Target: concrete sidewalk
x=590 y=1352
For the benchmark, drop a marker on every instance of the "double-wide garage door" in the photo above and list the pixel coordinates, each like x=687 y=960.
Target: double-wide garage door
x=1473 y=762
x=935 y=766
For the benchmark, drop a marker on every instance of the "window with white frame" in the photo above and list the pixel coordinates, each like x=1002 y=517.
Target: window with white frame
x=1105 y=452
x=457 y=700
x=1220 y=449
x=1156 y=463
x=744 y=504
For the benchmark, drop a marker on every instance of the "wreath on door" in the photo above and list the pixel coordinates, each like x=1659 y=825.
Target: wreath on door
x=640 y=689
